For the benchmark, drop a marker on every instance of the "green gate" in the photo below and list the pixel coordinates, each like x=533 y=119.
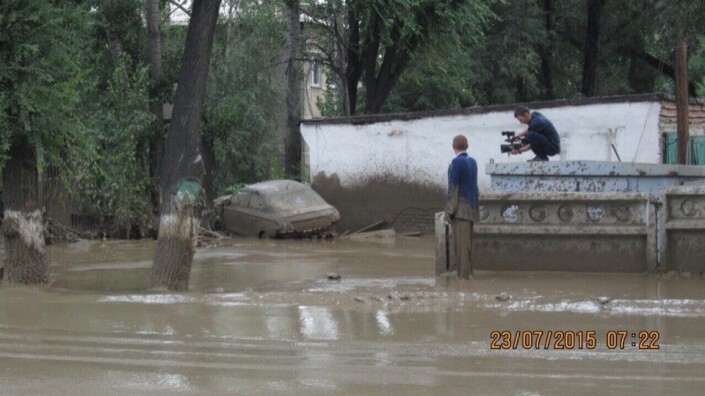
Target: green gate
x=696 y=149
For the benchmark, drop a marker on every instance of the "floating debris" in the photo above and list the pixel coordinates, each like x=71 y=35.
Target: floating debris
x=333 y=277
x=503 y=297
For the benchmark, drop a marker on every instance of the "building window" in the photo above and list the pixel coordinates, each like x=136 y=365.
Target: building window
x=315 y=75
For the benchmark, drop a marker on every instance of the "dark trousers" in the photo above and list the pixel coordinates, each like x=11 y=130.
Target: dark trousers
x=462 y=247
x=540 y=145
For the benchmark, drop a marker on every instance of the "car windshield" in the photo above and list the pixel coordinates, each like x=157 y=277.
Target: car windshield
x=295 y=200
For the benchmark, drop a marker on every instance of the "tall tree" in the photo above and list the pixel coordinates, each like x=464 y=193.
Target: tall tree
x=592 y=46
x=381 y=38
x=246 y=86
x=38 y=103
x=292 y=141
x=154 y=53
x=546 y=50
x=182 y=168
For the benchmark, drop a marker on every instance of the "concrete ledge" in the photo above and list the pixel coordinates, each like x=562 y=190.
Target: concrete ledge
x=584 y=232
x=593 y=168
x=682 y=229
x=592 y=176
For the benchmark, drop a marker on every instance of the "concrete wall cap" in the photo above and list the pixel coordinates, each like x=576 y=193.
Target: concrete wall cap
x=685 y=190
x=563 y=196
x=593 y=168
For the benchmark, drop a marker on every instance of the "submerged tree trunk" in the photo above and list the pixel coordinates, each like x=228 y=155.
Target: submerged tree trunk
x=292 y=141
x=182 y=168
x=25 y=261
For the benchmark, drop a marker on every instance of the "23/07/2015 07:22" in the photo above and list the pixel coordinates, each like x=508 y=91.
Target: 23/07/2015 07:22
x=569 y=339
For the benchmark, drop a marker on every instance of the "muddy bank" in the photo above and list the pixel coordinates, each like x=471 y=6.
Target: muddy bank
x=408 y=206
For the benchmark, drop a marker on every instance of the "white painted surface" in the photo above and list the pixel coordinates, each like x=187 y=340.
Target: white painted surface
x=30 y=227
x=420 y=150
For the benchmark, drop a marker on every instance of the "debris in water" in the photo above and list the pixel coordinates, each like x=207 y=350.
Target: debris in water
x=333 y=277
x=503 y=297
x=604 y=300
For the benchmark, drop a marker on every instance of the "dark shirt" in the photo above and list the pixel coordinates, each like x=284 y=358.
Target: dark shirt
x=462 y=187
x=542 y=125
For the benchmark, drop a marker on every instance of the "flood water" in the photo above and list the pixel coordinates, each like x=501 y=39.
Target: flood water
x=261 y=317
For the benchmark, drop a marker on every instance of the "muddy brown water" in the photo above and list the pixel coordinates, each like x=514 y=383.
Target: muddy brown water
x=261 y=317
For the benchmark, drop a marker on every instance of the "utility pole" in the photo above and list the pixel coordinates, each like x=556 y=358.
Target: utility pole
x=682 y=100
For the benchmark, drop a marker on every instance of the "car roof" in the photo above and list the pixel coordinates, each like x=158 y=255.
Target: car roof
x=274 y=187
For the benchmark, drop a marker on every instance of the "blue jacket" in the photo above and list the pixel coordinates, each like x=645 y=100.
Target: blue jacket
x=540 y=124
x=463 y=194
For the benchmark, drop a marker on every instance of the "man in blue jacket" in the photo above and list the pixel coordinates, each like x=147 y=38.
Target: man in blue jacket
x=462 y=205
x=540 y=137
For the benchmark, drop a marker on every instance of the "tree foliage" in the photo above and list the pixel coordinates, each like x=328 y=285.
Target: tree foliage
x=86 y=111
x=374 y=41
x=40 y=78
x=245 y=105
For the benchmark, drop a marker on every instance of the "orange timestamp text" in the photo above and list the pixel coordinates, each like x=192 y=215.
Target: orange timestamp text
x=573 y=339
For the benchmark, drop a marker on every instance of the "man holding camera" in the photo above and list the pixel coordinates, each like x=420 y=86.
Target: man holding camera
x=540 y=137
x=462 y=204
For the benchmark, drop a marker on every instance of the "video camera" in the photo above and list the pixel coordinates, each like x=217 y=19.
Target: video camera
x=512 y=145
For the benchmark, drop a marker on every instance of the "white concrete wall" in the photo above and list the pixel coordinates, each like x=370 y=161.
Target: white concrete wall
x=420 y=150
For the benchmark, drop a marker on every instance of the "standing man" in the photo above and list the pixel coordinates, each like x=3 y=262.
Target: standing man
x=462 y=204
x=540 y=137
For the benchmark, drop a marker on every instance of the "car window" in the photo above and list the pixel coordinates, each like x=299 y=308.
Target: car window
x=241 y=199
x=296 y=200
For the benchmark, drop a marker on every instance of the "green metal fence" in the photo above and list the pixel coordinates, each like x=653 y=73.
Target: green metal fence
x=696 y=149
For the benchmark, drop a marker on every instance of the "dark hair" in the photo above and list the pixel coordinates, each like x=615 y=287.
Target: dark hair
x=521 y=110
x=460 y=142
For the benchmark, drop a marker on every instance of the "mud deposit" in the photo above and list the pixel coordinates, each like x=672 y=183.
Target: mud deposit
x=262 y=317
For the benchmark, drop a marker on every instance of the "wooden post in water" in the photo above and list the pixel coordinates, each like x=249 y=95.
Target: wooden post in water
x=682 y=100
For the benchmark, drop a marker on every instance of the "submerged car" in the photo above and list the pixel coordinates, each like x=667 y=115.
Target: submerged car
x=277 y=208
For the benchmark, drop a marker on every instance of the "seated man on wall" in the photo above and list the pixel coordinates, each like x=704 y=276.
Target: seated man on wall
x=540 y=137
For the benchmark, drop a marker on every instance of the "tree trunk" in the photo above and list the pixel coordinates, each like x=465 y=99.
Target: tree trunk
x=379 y=81
x=378 y=88
x=546 y=51
x=292 y=141
x=521 y=92
x=116 y=52
x=682 y=101
x=208 y=156
x=641 y=75
x=341 y=81
x=154 y=50
x=353 y=70
x=25 y=260
x=661 y=67
x=592 y=47
x=182 y=168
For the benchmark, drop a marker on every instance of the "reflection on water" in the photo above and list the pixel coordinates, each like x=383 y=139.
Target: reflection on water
x=261 y=317
x=383 y=322
x=317 y=323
